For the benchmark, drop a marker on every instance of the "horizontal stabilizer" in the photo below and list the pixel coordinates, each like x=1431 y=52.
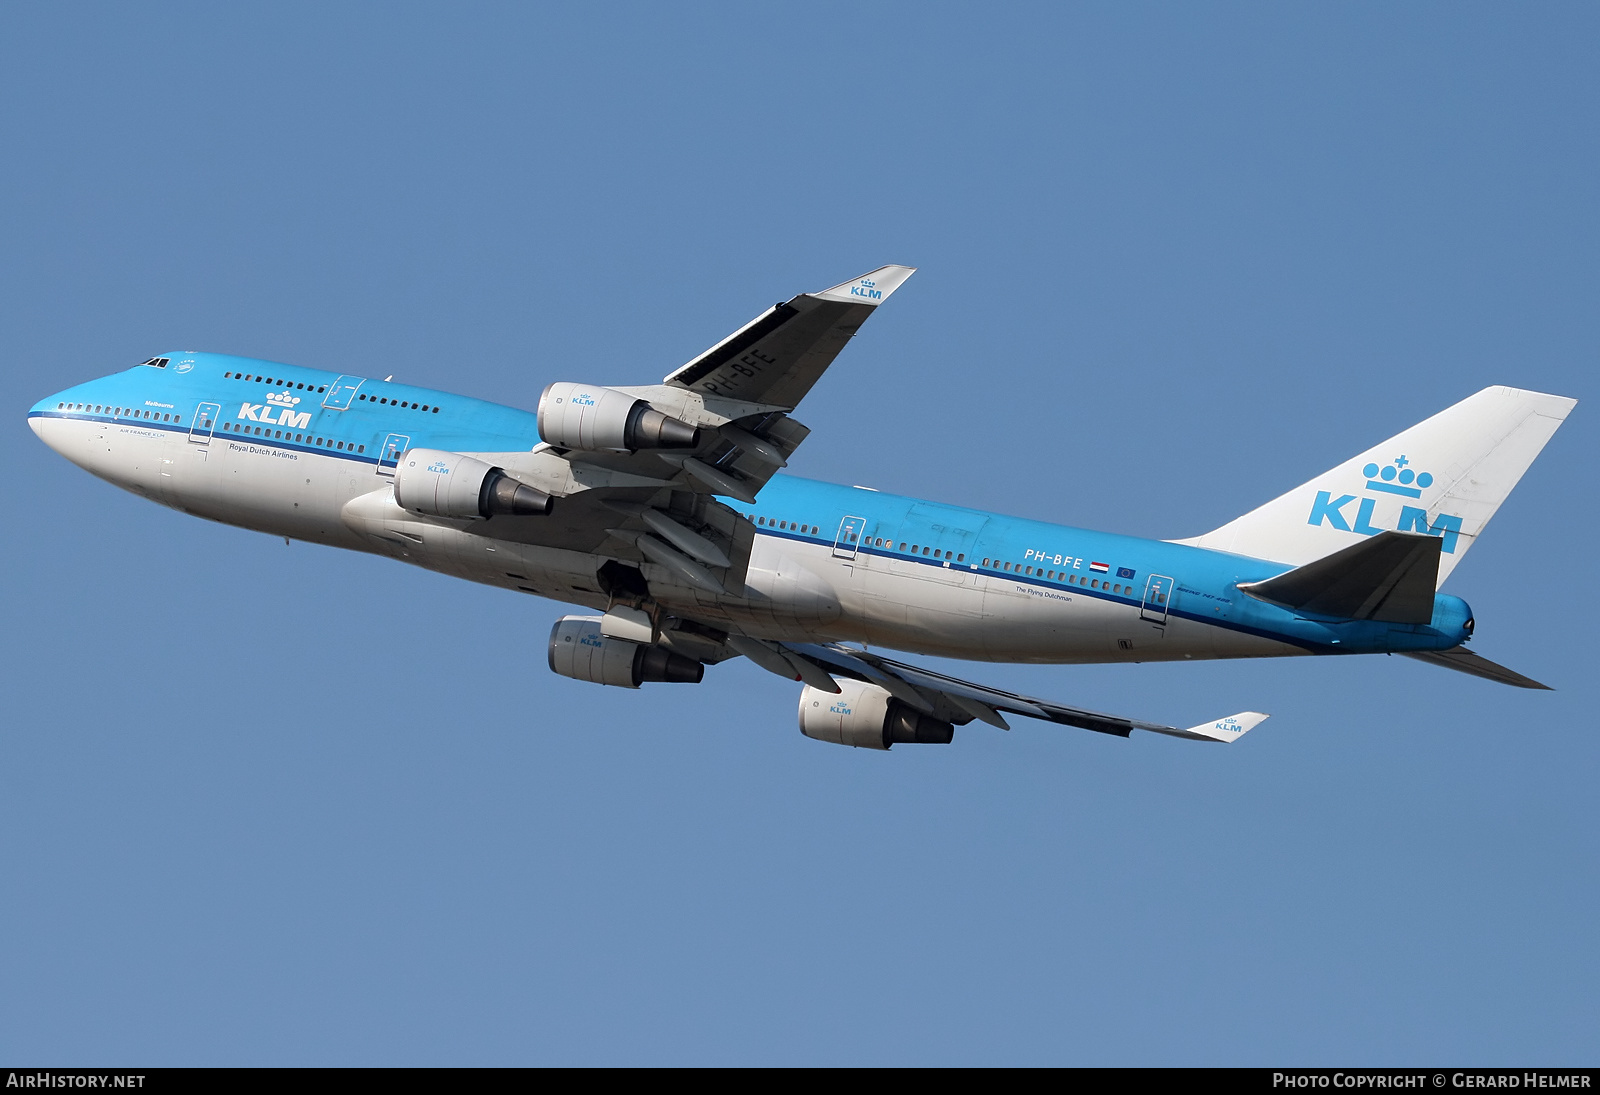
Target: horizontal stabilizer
x=1463 y=660
x=1389 y=578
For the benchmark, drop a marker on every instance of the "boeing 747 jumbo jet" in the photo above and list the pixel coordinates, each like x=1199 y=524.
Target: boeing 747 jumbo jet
x=660 y=508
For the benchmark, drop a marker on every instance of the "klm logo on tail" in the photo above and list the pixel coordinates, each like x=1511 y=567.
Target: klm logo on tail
x=866 y=287
x=1397 y=478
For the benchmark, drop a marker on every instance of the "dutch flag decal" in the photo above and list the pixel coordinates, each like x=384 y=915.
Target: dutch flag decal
x=1099 y=568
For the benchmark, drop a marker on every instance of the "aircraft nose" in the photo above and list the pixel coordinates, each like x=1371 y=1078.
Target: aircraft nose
x=45 y=421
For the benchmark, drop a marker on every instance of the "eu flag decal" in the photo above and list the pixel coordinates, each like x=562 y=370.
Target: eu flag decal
x=1124 y=572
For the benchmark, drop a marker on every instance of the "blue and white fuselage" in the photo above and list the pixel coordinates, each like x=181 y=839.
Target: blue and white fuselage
x=918 y=576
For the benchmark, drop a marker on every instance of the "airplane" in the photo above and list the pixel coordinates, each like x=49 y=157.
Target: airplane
x=661 y=509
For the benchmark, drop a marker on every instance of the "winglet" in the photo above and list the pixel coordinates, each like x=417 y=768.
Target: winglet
x=873 y=288
x=1229 y=729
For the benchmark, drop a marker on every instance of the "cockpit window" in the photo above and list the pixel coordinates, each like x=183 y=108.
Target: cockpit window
x=158 y=362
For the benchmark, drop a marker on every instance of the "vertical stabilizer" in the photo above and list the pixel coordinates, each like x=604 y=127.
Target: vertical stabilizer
x=1445 y=477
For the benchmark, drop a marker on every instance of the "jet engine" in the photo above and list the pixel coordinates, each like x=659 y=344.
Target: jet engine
x=579 y=651
x=447 y=484
x=588 y=417
x=867 y=717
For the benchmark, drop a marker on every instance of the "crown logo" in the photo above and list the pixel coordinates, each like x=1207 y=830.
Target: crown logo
x=1397 y=478
x=282 y=399
x=868 y=283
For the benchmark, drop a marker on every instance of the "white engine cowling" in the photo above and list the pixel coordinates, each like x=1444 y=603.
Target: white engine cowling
x=579 y=651
x=447 y=484
x=867 y=717
x=592 y=418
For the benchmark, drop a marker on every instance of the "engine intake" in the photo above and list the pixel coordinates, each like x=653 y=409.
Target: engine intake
x=447 y=484
x=579 y=651
x=867 y=717
x=588 y=417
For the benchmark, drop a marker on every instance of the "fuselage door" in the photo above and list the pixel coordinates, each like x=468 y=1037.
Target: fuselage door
x=389 y=455
x=205 y=423
x=849 y=538
x=1157 y=599
x=341 y=392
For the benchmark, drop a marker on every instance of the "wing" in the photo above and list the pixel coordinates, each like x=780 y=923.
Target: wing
x=779 y=355
x=739 y=393
x=954 y=700
x=656 y=509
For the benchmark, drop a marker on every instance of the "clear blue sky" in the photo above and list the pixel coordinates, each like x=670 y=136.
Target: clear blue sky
x=268 y=804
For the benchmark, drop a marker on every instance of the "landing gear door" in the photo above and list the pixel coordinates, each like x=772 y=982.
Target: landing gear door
x=205 y=423
x=1157 y=599
x=849 y=538
x=389 y=454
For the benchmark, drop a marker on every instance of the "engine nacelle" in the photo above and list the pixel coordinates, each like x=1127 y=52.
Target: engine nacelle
x=867 y=717
x=588 y=417
x=579 y=651
x=447 y=484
